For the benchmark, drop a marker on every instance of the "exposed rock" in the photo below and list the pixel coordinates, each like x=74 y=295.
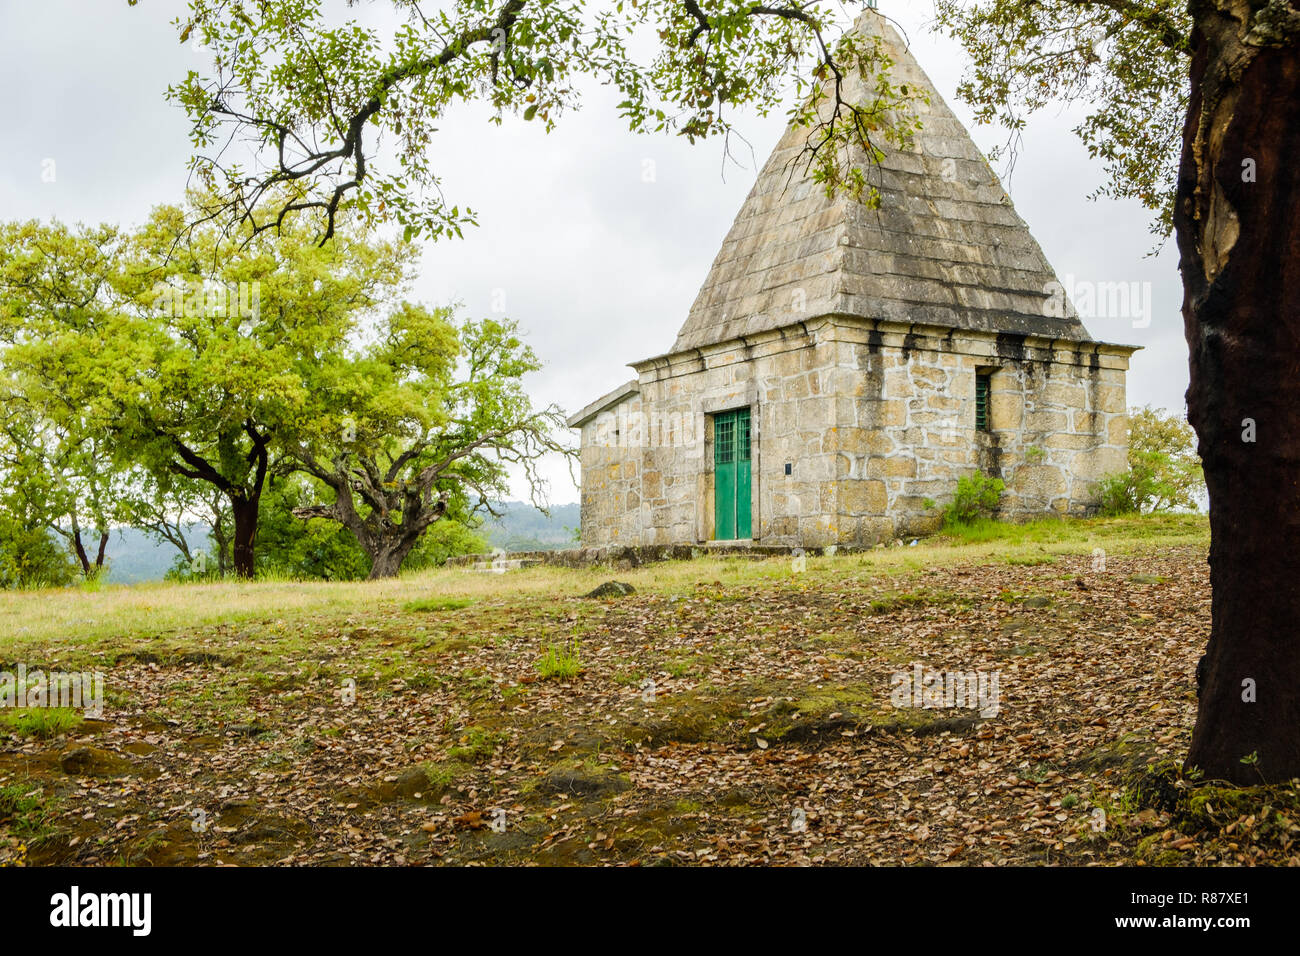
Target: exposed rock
x=611 y=589
x=627 y=557
x=247 y=730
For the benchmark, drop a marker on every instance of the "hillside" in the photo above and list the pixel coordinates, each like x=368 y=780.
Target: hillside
x=525 y=528
x=729 y=711
x=136 y=557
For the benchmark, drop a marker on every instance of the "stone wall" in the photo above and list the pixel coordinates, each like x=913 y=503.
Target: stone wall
x=611 y=477
x=876 y=422
x=907 y=425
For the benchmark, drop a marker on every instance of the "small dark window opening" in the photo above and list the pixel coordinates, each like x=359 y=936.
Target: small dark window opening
x=982 y=381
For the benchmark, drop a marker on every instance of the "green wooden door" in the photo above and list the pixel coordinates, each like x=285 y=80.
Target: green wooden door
x=731 y=476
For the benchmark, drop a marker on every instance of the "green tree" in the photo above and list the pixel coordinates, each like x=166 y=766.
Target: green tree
x=204 y=347
x=68 y=478
x=56 y=459
x=423 y=425
x=316 y=96
x=29 y=555
x=317 y=549
x=446 y=539
x=1124 y=62
x=179 y=511
x=1164 y=472
x=323 y=549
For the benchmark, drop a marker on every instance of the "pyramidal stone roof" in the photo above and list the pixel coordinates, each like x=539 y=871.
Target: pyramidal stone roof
x=945 y=248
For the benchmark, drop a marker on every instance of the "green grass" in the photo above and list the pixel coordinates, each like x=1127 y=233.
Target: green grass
x=41 y=721
x=437 y=604
x=24 y=809
x=1030 y=560
x=910 y=599
x=91 y=628
x=678 y=666
x=475 y=745
x=442 y=774
x=560 y=662
x=1065 y=531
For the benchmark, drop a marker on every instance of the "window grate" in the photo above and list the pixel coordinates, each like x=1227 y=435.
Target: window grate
x=982 y=402
x=724 y=440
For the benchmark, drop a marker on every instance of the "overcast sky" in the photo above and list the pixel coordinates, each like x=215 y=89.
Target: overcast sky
x=599 y=265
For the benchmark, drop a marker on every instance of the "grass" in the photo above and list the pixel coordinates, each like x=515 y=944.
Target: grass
x=86 y=626
x=475 y=745
x=910 y=599
x=25 y=810
x=442 y=774
x=41 y=721
x=1063 y=532
x=679 y=666
x=315 y=679
x=560 y=662
x=438 y=604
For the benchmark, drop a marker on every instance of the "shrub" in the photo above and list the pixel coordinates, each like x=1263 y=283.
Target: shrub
x=1121 y=493
x=1164 y=472
x=29 y=555
x=447 y=538
x=977 y=496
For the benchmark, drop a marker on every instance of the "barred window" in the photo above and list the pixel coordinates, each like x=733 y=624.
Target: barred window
x=724 y=437
x=982 y=382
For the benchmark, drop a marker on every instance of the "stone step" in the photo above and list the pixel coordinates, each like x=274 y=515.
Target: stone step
x=502 y=565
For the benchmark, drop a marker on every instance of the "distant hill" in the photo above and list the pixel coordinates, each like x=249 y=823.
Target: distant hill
x=524 y=528
x=135 y=557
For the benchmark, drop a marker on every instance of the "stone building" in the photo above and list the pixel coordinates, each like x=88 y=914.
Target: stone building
x=842 y=367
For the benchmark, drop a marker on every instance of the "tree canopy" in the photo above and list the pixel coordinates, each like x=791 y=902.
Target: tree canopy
x=1124 y=62
x=426 y=422
x=175 y=370
x=319 y=99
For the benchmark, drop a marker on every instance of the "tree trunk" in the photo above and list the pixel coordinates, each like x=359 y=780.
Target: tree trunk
x=83 y=557
x=222 y=541
x=103 y=549
x=245 y=536
x=388 y=554
x=1238 y=227
x=79 y=550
